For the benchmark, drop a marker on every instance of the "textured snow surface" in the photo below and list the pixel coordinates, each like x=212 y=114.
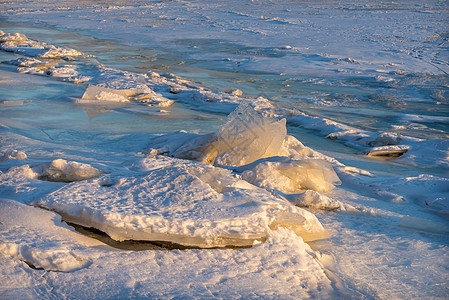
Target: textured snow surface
x=40 y=239
x=188 y=204
x=282 y=266
x=291 y=176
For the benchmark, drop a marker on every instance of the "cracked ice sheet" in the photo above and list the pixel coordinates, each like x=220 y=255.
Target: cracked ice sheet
x=283 y=266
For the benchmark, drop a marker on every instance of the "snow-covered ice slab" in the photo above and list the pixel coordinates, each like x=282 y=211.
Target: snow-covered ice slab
x=187 y=203
x=291 y=176
x=40 y=239
x=19 y=43
x=258 y=145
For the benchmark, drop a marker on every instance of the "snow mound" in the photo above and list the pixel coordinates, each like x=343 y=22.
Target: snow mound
x=291 y=176
x=187 y=203
x=20 y=172
x=38 y=238
x=14 y=154
x=68 y=171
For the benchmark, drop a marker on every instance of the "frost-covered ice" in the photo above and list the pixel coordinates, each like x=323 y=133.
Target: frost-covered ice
x=283 y=266
x=187 y=204
x=32 y=236
x=18 y=42
x=329 y=173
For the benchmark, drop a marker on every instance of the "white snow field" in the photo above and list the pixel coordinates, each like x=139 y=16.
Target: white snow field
x=224 y=149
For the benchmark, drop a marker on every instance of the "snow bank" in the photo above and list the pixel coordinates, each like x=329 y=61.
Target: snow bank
x=282 y=267
x=191 y=204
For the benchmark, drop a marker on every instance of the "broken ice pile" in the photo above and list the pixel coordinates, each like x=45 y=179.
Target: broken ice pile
x=143 y=94
x=188 y=203
x=19 y=43
x=260 y=149
x=201 y=202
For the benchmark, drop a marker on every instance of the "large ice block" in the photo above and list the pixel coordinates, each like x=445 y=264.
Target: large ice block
x=188 y=203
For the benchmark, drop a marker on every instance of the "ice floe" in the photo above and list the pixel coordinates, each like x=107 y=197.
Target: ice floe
x=142 y=94
x=14 y=154
x=291 y=176
x=19 y=43
x=189 y=204
x=68 y=171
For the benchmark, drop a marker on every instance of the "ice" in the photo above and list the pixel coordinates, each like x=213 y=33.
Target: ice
x=291 y=176
x=370 y=76
x=19 y=43
x=284 y=266
x=141 y=94
x=424 y=225
x=246 y=137
x=315 y=200
x=38 y=238
x=260 y=147
x=388 y=151
x=14 y=154
x=100 y=93
x=68 y=171
x=178 y=203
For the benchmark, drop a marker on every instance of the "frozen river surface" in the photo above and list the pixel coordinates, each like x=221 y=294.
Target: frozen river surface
x=311 y=138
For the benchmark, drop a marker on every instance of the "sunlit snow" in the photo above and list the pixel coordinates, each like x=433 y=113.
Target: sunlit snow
x=236 y=149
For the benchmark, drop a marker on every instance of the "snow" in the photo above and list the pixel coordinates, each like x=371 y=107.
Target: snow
x=328 y=177
x=19 y=43
x=291 y=176
x=178 y=203
x=32 y=235
x=68 y=171
x=14 y=154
